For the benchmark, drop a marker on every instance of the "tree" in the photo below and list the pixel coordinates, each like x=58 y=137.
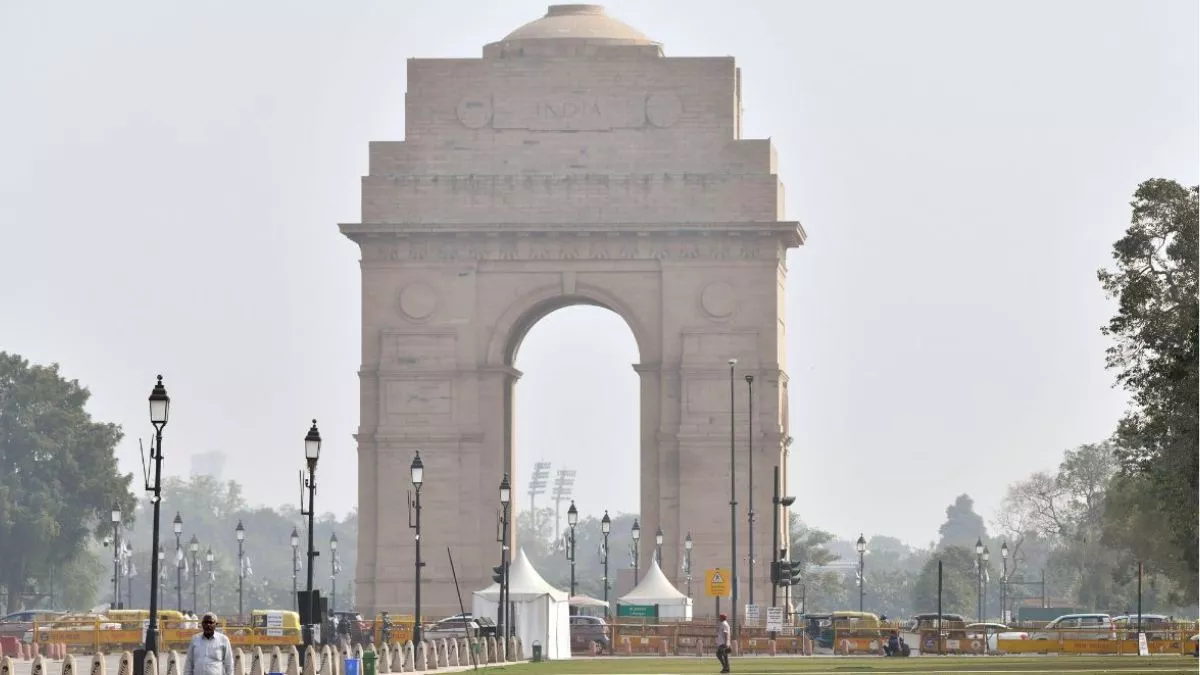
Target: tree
x=959 y=590
x=1155 y=331
x=963 y=527
x=58 y=473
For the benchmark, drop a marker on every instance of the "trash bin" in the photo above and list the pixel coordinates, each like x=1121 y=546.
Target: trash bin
x=537 y=652
x=368 y=661
x=352 y=667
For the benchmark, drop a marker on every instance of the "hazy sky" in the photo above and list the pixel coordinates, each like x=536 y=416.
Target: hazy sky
x=172 y=175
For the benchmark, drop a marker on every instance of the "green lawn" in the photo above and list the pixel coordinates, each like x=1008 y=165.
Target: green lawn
x=849 y=665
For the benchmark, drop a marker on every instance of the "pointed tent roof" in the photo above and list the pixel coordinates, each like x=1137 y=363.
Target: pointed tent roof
x=653 y=588
x=524 y=583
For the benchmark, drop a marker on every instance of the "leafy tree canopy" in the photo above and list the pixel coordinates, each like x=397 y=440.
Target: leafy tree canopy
x=58 y=474
x=1154 y=280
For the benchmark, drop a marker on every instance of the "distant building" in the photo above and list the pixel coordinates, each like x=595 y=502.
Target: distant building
x=209 y=464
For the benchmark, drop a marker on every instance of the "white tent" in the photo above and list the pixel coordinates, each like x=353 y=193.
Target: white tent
x=656 y=589
x=540 y=611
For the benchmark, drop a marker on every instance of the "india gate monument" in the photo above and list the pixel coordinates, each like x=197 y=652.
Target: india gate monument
x=575 y=163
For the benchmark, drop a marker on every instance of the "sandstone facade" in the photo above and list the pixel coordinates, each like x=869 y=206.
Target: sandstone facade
x=573 y=164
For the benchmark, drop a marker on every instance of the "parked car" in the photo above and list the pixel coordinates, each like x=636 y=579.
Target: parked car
x=994 y=632
x=1078 y=627
x=589 y=630
x=18 y=623
x=459 y=627
x=1155 y=626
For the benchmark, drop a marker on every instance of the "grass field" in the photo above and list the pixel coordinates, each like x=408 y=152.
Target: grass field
x=849 y=665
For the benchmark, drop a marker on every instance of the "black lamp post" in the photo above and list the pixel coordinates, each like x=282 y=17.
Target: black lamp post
x=750 y=480
x=160 y=406
x=417 y=474
x=572 y=520
x=861 y=547
x=984 y=576
x=1004 y=583
x=212 y=575
x=312 y=452
x=637 y=535
x=162 y=580
x=687 y=561
x=605 y=528
x=658 y=542
x=733 y=557
x=333 y=570
x=194 y=547
x=505 y=500
x=178 y=527
x=979 y=577
x=295 y=568
x=240 y=533
x=116 y=538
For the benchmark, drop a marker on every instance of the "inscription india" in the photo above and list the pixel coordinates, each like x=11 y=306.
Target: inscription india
x=568 y=112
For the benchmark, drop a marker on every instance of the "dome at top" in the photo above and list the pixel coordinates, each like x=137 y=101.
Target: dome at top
x=579 y=22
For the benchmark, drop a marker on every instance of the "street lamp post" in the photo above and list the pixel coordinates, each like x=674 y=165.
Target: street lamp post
x=637 y=535
x=687 y=561
x=984 y=577
x=417 y=475
x=505 y=500
x=160 y=406
x=750 y=479
x=295 y=568
x=212 y=575
x=861 y=547
x=116 y=537
x=733 y=557
x=572 y=520
x=605 y=528
x=162 y=586
x=658 y=542
x=1004 y=583
x=333 y=543
x=312 y=452
x=194 y=547
x=240 y=533
x=178 y=527
x=979 y=577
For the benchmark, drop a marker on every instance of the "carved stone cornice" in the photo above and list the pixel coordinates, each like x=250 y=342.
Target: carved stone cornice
x=395 y=243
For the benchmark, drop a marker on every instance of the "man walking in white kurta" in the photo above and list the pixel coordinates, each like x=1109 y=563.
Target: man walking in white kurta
x=209 y=652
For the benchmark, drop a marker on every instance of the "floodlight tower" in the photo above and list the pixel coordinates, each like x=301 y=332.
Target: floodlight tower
x=564 y=485
x=537 y=486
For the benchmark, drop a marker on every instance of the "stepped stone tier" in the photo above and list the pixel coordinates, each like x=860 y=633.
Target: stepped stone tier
x=575 y=163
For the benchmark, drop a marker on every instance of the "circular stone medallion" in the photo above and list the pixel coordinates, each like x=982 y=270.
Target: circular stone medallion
x=718 y=299
x=663 y=110
x=475 y=111
x=418 y=301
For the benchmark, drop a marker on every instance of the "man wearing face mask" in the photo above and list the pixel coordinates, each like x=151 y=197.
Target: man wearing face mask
x=209 y=652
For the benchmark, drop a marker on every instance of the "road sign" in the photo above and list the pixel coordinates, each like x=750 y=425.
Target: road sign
x=644 y=611
x=775 y=619
x=752 y=615
x=717 y=582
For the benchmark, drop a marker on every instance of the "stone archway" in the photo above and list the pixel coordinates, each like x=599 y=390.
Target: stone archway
x=607 y=175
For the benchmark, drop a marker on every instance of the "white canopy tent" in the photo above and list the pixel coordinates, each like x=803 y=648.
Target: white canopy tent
x=656 y=589
x=540 y=611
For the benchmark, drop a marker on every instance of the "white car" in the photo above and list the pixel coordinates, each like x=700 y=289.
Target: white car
x=994 y=632
x=1078 y=627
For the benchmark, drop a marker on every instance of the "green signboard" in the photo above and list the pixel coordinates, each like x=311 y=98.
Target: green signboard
x=639 y=611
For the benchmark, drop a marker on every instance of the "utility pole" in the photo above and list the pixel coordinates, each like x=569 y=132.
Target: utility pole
x=564 y=485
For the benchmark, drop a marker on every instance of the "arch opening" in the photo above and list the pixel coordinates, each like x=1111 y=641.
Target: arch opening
x=576 y=434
